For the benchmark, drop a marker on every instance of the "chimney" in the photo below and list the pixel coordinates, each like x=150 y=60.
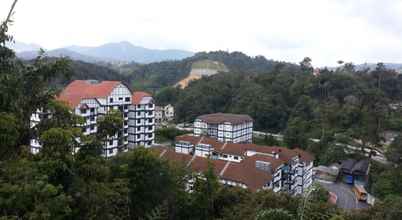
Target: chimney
x=276 y=155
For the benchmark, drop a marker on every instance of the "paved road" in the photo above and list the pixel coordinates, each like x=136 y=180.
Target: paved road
x=346 y=197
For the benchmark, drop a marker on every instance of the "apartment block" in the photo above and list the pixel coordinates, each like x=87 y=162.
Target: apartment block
x=91 y=100
x=225 y=127
x=244 y=165
x=141 y=124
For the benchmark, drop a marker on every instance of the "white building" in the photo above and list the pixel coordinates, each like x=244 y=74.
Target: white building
x=224 y=127
x=91 y=99
x=168 y=111
x=141 y=120
x=164 y=113
x=245 y=165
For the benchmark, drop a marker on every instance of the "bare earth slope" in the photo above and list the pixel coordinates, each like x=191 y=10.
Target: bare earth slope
x=202 y=68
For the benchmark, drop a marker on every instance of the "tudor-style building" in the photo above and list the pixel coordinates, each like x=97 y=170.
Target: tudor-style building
x=92 y=99
x=225 y=127
x=245 y=165
x=141 y=120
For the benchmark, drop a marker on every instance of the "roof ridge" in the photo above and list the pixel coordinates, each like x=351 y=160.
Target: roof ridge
x=224 y=169
x=192 y=159
x=224 y=145
x=163 y=153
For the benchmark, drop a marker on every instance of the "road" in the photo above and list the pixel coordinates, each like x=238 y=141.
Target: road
x=346 y=197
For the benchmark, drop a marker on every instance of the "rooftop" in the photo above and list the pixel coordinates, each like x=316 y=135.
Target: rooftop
x=218 y=118
x=77 y=90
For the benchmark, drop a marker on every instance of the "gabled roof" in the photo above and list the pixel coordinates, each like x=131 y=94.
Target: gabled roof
x=138 y=96
x=239 y=149
x=77 y=90
x=218 y=118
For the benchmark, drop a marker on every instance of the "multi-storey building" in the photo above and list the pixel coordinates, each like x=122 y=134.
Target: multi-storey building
x=91 y=99
x=245 y=165
x=164 y=114
x=224 y=127
x=141 y=120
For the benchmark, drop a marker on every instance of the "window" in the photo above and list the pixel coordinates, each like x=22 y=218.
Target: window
x=92 y=127
x=110 y=151
x=111 y=142
x=125 y=131
x=83 y=111
x=127 y=99
x=125 y=123
x=225 y=156
x=149 y=135
x=125 y=106
x=92 y=118
x=138 y=136
x=120 y=98
x=236 y=157
x=138 y=128
x=150 y=105
x=125 y=115
x=138 y=121
x=92 y=110
x=111 y=100
x=138 y=106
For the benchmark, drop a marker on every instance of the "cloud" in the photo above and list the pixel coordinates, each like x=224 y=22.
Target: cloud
x=326 y=30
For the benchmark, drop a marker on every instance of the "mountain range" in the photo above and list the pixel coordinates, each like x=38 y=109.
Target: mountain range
x=111 y=52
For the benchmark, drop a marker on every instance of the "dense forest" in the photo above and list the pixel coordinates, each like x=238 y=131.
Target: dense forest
x=59 y=183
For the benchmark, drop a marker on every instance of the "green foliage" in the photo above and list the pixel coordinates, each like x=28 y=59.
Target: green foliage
x=385 y=180
x=109 y=124
x=148 y=178
x=167 y=134
x=274 y=214
x=394 y=152
x=9 y=133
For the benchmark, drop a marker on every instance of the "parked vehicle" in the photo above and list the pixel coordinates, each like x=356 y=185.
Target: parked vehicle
x=360 y=192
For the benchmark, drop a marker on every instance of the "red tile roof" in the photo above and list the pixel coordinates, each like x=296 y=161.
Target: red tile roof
x=247 y=173
x=137 y=97
x=285 y=154
x=218 y=118
x=84 y=89
x=244 y=172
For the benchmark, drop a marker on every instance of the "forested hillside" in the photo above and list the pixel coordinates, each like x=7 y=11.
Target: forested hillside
x=155 y=76
x=298 y=104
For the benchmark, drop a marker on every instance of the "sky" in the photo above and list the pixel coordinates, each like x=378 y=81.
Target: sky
x=357 y=31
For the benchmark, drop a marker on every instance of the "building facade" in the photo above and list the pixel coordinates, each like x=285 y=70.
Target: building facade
x=141 y=124
x=164 y=114
x=224 y=127
x=245 y=165
x=91 y=100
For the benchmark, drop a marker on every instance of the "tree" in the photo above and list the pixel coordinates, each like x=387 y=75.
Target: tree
x=9 y=133
x=295 y=133
x=205 y=194
x=149 y=182
x=394 y=152
x=274 y=214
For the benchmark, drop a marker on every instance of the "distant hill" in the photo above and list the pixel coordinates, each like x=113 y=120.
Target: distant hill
x=157 y=75
x=122 y=52
x=28 y=55
x=18 y=46
x=125 y=51
x=202 y=68
x=394 y=66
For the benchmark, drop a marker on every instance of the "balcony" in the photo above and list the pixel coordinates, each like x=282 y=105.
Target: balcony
x=150 y=115
x=149 y=130
x=140 y=115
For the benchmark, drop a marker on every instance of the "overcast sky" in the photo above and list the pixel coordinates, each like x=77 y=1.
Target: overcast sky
x=325 y=30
